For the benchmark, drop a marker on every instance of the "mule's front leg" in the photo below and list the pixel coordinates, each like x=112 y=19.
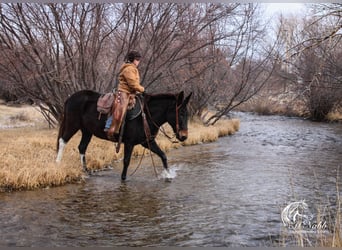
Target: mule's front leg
x=127 y=158
x=153 y=146
x=84 y=163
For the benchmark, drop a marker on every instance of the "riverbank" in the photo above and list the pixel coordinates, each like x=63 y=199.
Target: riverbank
x=28 y=149
x=285 y=105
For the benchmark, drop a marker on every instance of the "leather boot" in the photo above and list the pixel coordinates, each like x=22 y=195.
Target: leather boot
x=112 y=134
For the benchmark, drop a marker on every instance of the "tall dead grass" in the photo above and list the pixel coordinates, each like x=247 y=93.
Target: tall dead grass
x=28 y=154
x=286 y=105
x=268 y=105
x=19 y=116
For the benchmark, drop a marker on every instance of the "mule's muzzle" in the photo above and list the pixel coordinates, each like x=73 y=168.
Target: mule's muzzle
x=182 y=135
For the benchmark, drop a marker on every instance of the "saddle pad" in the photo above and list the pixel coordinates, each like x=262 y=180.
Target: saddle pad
x=134 y=112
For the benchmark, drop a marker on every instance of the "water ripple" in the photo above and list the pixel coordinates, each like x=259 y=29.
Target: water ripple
x=228 y=193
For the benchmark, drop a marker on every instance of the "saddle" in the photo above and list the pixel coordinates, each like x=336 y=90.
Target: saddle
x=106 y=101
x=105 y=105
x=134 y=111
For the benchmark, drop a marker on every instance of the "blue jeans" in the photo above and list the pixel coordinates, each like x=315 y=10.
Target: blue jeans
x=109 y=121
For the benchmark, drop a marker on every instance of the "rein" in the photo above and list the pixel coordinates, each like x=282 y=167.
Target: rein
x=148 y=137
x=161 y=128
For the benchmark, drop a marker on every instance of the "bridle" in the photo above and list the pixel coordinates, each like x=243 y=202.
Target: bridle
x=148 y=134
x=177 y=120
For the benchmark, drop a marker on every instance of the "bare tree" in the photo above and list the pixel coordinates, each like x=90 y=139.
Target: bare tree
x=248 y=67
x=310 y=61
x=193 y=47
x=52 y=50
x=320 y=80
x=330 y=16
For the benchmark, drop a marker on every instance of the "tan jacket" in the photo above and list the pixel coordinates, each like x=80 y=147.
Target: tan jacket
x=129 y=79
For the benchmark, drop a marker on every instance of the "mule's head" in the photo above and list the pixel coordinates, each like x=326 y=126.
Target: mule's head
x=178 y=117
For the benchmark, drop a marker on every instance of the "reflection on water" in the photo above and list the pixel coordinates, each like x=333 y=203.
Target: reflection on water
x=228 y=193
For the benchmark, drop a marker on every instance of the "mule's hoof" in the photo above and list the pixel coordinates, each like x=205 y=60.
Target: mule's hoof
x=168 y=179
x=87 y=171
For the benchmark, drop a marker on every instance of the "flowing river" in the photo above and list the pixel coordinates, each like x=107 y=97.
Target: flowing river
x=228 y=193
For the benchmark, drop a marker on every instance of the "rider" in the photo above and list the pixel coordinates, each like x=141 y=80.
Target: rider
x=129 y=83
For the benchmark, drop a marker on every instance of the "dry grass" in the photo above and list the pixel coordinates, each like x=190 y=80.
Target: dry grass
x=23 y=116
x=28 y=153
x=277 y=105
x=316 y=237
x=334 y=116
x=27 y=161
x=284 y=104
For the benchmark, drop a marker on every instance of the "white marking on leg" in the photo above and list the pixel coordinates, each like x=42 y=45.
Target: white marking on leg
x=61 y=145
x=83 y=162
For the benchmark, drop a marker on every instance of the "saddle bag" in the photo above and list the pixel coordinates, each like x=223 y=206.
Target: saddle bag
x=105 y=103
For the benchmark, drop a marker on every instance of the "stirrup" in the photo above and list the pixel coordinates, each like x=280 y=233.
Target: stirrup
x=117 y=148
x=114 y=137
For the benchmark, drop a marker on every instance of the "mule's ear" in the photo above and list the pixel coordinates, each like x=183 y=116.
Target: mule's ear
x=180 y=98
x=187 y=99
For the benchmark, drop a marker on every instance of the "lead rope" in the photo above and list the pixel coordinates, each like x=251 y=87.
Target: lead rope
x=148 y=136
x=135 y=170
x=142 y=156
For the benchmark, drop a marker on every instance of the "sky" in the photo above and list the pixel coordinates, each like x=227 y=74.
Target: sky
x=284 y=8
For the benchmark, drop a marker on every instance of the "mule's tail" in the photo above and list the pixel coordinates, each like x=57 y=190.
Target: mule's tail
x=60 y=141
x=60 y=131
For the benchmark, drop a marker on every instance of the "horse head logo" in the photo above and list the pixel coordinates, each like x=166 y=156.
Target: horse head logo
x=296 y=214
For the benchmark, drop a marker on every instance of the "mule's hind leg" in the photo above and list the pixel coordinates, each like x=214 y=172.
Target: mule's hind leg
x=82 y=147
x=61 y=145
x=62 y=141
